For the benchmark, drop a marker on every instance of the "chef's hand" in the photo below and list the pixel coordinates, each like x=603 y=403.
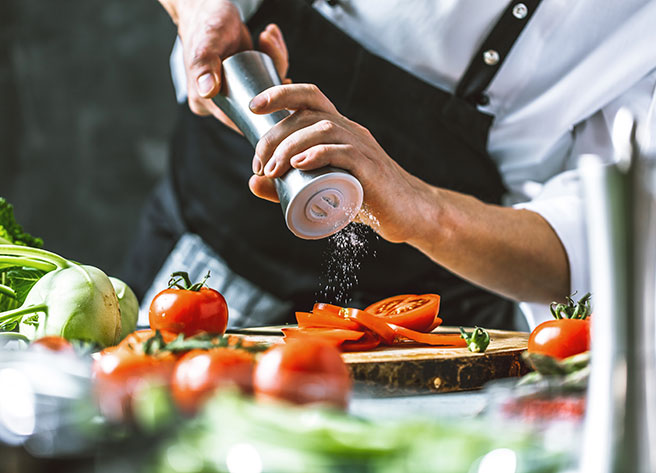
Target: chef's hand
x=212 y=30
x=317 y=135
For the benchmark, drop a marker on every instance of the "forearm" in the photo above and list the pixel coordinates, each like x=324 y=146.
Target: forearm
x=246 y=7
x=513 y=252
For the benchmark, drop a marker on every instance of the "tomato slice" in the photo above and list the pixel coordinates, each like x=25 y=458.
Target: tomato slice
x=325 y=307
x=385 y=305
x=334 y=336
x=436 y=323
x=369 y=341
x=376 y=324
x=409 y=311
x=434 y=339
x=322 y=318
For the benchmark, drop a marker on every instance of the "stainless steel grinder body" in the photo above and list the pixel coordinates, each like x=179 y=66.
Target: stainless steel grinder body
x=316 y=203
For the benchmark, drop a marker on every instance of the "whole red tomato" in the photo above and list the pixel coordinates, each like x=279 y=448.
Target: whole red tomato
x=188 y=309
x=560 y=338
x=119 y=374
x=568 y=334
x=303 y=371
x=199 y=373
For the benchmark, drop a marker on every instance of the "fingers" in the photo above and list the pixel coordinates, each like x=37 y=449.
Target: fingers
x=263 y=187
x=306 y=144
x=210 y=30
x=272 y=43
x=292 y=97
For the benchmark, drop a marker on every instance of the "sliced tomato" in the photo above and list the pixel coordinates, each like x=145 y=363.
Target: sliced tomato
x=386 y=305
x=436 y=323
x=334 y=336
x=325 y=307
x=434 y=339
x=321 y=318
x=416 y=312
x=376 y=324
x=368 y=342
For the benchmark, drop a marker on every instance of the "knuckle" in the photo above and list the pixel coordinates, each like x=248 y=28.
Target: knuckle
x=314 y=89
x=326 y=125
x=264 y=146
x=318 y=152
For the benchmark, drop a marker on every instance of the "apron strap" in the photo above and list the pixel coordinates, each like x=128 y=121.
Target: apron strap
x=488 y=59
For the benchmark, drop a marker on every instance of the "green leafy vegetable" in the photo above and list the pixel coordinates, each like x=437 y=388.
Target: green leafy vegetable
x=477 y=341
x=11 y=231
x=235 y=431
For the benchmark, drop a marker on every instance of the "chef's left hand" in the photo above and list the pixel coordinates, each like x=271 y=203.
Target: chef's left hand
x=317 y=135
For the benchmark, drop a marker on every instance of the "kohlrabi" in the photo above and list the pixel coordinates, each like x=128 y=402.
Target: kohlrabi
x=129 y=305
x=71 y=300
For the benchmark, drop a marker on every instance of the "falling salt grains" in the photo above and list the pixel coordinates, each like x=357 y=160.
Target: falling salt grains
x=344 y=256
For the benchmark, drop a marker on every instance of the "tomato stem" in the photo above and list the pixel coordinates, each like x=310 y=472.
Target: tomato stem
x=572 y=310
x=181 y=280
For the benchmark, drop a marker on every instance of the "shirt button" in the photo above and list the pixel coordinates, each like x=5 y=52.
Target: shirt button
x=482 y=99
x=491 y=57
x=520 y=11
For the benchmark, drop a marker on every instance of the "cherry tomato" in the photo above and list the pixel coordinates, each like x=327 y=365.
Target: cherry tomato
x=189 y=311
x=52 y=343
x=303 y=371
x=409 y=311
x=560 y=338
x=199 y=373
x=121 y=372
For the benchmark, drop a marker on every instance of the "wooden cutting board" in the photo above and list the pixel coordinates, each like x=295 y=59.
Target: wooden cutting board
x=414 y=369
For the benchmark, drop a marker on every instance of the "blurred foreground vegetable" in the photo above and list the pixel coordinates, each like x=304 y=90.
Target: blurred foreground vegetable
x=236 y=434
x=303 y=371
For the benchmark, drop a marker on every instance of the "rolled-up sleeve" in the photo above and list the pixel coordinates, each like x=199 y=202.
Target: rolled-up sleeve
x=560 y=204
x=559 y=200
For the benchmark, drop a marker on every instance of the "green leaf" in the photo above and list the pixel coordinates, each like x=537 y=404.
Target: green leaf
x=11 y=231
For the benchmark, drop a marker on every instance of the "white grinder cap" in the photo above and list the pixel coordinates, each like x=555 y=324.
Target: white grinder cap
x=324 y=205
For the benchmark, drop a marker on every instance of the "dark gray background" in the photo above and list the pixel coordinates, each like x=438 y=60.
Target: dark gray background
x=86 y=108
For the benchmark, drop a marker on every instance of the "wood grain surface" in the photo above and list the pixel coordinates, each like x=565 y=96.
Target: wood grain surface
x=416 y=369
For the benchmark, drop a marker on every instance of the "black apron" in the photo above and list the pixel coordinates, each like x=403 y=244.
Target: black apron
x=437 y=136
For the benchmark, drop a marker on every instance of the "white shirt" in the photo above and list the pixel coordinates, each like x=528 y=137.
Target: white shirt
x=575 y=64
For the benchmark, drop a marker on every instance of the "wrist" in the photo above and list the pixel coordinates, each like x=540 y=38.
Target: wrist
x=432 y=226
x=171 y=8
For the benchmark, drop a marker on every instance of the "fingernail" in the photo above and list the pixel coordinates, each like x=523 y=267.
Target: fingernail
x=298 y=159
x=205 y=84
x=258 y=102
x=257 y=165
x=270 y=166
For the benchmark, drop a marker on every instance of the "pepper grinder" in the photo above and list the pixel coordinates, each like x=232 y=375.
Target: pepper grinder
x=316 y=203
x=620 y=204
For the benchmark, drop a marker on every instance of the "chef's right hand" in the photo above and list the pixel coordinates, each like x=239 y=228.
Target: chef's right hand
x=212 y=30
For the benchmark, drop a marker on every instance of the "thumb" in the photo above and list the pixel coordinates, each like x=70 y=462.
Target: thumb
x=207 y=83
x=273 y=44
